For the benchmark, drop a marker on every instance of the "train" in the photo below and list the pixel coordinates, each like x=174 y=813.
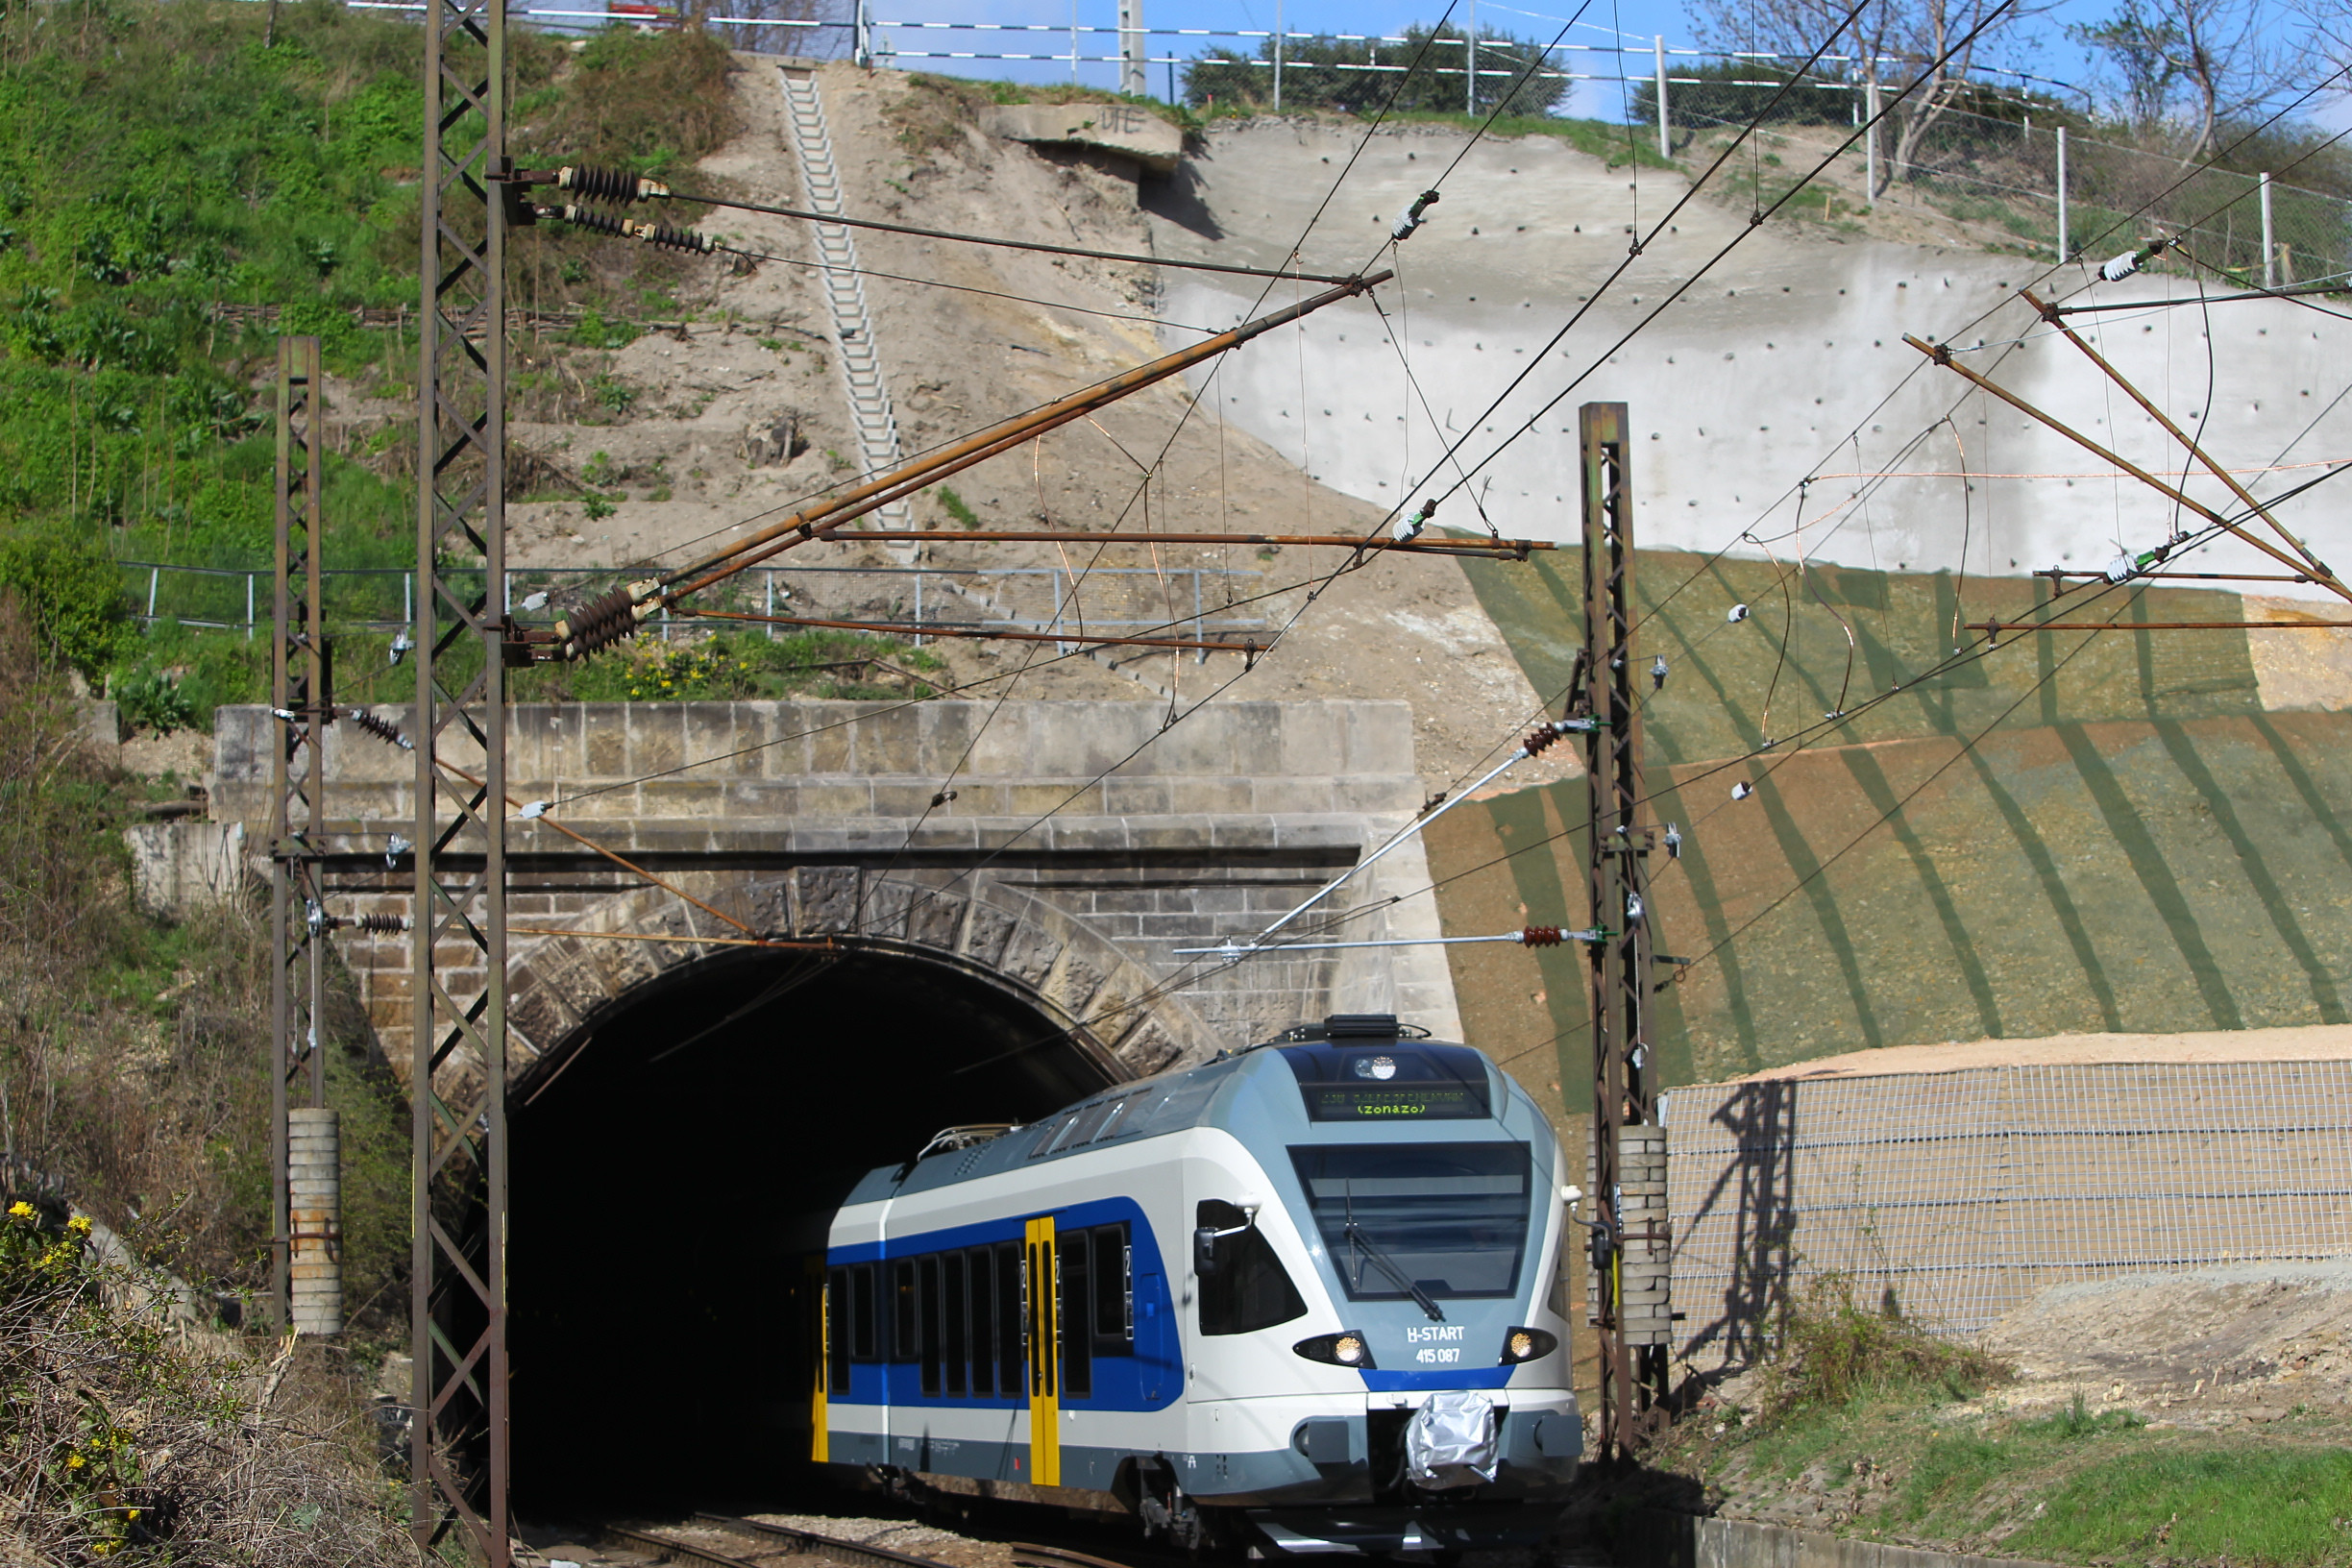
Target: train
x=1305 y=1298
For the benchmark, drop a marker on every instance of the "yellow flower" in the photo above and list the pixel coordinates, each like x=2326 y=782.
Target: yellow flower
x=20 y=1211
x=131 y=1513
x=80 y=1225
x=74 y=1462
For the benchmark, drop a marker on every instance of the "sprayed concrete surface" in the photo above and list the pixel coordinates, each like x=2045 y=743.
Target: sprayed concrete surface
x=2311 y=1043
x=1783 y=363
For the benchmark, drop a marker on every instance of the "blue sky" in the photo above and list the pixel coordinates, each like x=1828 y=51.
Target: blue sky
x=2048 y=51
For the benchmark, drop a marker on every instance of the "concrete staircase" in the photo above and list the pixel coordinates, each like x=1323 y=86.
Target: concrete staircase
x=861 y=362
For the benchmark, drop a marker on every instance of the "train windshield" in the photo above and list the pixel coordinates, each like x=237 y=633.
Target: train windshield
x=1450 y=1218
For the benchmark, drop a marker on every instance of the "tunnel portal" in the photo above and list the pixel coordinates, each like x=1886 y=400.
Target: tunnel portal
x=672 y=1168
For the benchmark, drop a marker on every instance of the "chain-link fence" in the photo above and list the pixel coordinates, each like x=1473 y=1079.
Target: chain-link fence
x=1955 y=1197
x=2017 y=185
x=1184 y=601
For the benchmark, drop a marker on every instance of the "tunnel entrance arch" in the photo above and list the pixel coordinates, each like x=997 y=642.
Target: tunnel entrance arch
x=675 y=1153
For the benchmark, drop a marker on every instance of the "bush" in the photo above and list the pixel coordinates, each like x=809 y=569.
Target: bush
x=1331 y=73
x=152 y=700
x=73 y=593
x=126 y=1436
x=745 y=665
x=1834 y=1350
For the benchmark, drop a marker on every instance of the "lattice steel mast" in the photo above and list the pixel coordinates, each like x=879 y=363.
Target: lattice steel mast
x=299 y=1238
x=457 y=1084
x=1628 y=1281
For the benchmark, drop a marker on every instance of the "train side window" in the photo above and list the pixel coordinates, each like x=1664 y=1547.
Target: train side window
x=1114 y=1292
x=1249 y=1289
x=980 y=1271
x=902 y=1310
x=1009 y=1326
x=928 y=1317
x=1075 y=1320
x=861 y=1313
x=952 y=1309
x=836 y=1331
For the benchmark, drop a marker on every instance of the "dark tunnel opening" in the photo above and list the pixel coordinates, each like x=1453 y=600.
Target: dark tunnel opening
x=670 y=1177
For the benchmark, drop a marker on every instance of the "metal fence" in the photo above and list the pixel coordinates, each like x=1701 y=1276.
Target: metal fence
x=2047 y=191
x=1955 y=1197
x=1189 y=600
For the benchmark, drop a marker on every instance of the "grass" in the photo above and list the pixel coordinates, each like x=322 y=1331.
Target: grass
x=957 y=507
x=1878 y=1425
x=166 y=178
x=742 y=665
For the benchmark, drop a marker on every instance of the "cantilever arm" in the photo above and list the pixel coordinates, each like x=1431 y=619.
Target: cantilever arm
x=2319 y=569
x=1941 y=354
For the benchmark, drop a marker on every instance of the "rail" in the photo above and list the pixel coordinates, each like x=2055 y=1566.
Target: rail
x=852 y=1554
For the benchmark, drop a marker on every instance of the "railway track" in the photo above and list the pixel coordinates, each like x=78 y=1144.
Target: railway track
x=668 y=1548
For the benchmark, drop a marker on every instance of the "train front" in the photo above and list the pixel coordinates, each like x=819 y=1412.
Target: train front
x=1381 y=1353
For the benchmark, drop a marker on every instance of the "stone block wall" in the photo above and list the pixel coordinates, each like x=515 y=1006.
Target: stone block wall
x=1143 y=837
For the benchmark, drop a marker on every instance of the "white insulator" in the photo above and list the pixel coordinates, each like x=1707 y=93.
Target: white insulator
x=314 y=1206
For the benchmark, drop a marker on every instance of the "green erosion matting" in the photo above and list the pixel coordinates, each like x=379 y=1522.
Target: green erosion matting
x=2137 y=847
x=2134 y=876
x=1788 y=661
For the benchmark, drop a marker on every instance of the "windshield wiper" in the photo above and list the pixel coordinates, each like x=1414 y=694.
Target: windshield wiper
x=1422 y=1299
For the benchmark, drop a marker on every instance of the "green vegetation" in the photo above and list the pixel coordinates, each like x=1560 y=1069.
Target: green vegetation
x=2125 y=841
x=934 y=109
x=173 y=194
x=1333 y=73
x=124 y=1440
x=733 y=667
x=955 y=506
x=1886 y=1429
x=130 y=1065
x=1834 y=1351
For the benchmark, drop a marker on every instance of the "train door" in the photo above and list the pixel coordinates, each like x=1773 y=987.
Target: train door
x=1041 y=1325
x=821 y=1291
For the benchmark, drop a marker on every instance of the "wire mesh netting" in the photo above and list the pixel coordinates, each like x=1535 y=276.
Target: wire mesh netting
x=1955 y=1197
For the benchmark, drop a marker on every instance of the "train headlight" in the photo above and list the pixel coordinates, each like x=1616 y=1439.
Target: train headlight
x=1526 y=1345
x=1346 y=1348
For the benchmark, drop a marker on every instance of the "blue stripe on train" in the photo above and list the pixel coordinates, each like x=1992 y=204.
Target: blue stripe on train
x=1151 y=1379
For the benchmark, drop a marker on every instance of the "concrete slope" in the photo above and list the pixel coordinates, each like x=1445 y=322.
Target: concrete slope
x=1785 y=362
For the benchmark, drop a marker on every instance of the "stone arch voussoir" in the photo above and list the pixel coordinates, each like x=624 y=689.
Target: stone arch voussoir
x=1073 y=975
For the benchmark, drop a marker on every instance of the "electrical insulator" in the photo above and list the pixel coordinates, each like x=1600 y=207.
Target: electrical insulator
x=383 y=925
x=588 y=218
x=597 y=625
x=608 y=185
x=380 y=728
x=1541 y=737
x=664 y=237
x=1410 y=219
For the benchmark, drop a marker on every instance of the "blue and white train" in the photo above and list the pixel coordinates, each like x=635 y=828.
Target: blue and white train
x=1304 y=1296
